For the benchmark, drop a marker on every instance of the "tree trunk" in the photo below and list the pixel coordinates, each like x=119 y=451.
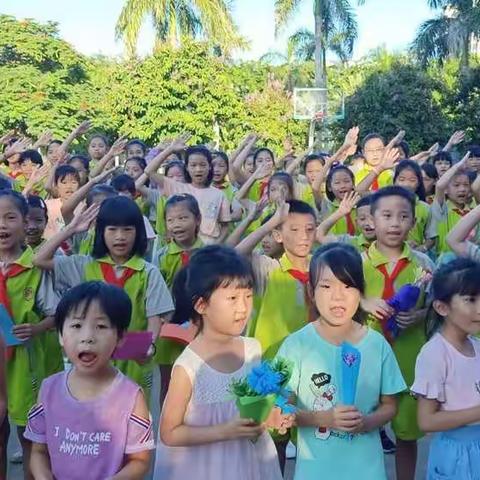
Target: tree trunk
x=320 y=70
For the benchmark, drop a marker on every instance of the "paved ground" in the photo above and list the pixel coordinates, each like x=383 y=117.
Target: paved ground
x=15 y=471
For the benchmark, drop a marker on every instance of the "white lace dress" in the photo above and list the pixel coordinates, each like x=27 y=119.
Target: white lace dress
x=212 y=404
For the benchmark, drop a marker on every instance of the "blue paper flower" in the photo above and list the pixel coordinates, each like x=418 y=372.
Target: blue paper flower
x=264 y=380
x=285 y=407
x=350 y=358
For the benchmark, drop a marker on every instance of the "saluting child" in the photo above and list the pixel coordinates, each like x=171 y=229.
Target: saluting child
x=389 y=264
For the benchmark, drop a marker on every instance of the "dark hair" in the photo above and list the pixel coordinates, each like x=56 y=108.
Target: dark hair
x=83 y=159
x=259 y=151
x=462 y=172
x=119 y=211
x=286 y=179
x=222 y=155
x=405 y=147
x=175 y=163
x=114 y=302
x=100 y=136
x=345 y=263
x=31 y=155
x=123 y=182
x=209 y=268
x=102 y=189
x=64 y=171
x=199 y=150
x=139 y=160
x=371 y=136
x=17 y=199
x=313 y=157
x=303 y=208
x=5 y=184
x=186 y=198
x=392 y=191
x=442 y=157
x=34 y=201
x=138 y=142
x=457 y=277
x=410 y=164
x=365 y=201
x=430 y=170
x=54 y=142
x=328 y=182
x=474 y=150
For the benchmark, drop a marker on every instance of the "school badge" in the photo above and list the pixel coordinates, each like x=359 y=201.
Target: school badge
x=28 y=294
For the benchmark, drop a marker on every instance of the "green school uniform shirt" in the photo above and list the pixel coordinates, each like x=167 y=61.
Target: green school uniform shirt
x=32 y=298
x=283 y=309
x=340 y=227
x=357 y=241
x=410 y=341
x=384 y=179
x=256 y=190
x=422 y=217
x=147 y=291
x=442 y=220
x=169 y=261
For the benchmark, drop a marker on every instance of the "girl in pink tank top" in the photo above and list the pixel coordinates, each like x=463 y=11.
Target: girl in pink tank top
x=92 y=421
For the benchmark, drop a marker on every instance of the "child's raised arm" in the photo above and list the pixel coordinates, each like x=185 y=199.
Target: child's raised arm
x=156 y=162
x=84 y=127
x=247 y=245
x=81 y=223
x=390 y=158
x=457 y=238
x=235 y=171
x=116 y=149
x=175 y=433
x=456 y=138
x=261 y=172
x=346 y=206
x=254 y=211
x=443 y=181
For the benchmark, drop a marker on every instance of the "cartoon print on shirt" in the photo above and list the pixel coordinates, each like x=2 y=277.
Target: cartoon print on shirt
x=324 y=393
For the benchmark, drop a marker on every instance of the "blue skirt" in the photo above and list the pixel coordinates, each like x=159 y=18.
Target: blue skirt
x=455 y=455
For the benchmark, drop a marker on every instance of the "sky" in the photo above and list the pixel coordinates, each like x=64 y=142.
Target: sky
x=89 y=25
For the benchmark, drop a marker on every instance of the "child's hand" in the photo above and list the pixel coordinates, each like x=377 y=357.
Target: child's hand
x=118 y=146
x=84 y=127
x=348 y=203
x=408 y=319
x=377 y=307
x=106 y=173
x=242 y=428
x=4 y=139
x=346 y=418
x=261 y=172
x=82 y=222
x=390 y=158
x=281 y=214
x=396 y=140
x=278 y=421
x=44 y=139
x=18 y=147
x=456 y=138
x=25 y=331
x=180 y=143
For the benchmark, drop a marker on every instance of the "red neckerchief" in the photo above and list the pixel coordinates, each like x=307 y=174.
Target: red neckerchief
x=263 y=187
x=303 y=278
x=375 y=185
x=109 y=276
x=350 y=224
x=389 y=288
x=12 y=271
x=461 y=212
x=185 y=257
x=222 y=186
x=14 y=175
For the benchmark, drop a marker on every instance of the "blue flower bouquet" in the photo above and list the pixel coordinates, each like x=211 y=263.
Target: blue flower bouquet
x=262 y=389
x=404 y=300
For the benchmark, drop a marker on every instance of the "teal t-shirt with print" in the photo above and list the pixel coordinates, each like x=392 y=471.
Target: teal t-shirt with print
x=316 y=382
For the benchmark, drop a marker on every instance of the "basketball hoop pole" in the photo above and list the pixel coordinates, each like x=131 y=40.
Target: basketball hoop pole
x=319 y=118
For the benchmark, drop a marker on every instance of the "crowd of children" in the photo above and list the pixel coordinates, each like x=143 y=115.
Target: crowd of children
x=264 y=258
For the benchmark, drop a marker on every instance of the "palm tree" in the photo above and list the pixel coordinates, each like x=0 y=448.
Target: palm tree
x=335 y=24
x=175 y=19
x=450 y=34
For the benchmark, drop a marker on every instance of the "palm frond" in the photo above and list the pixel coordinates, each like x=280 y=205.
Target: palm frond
x=284 y=11
x=432 y=40
x=301 y=45
x=274 y=58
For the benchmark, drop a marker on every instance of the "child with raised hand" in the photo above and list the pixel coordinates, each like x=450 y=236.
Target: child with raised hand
x=442 y=161
x=409 y=175
x=97 y=147
x=326 y=425
x=82 y=164
x=242 y=164
x=201 y=434
x=447 y=374
x=363 y=219
x=91 y=420
x=264 y=160
x=28 y=297
x=119 y=246
x=453 y=193
x=430 y=177
x=136 y=148
x=214 y=206
x=388 y=264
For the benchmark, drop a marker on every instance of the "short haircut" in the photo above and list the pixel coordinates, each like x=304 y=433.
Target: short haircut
x=138 y=142
x=313 y=157
x=371 y=136
x=198 y=150
x=113 y=300
x=81 y=158
x=31 y=155
x=119 y=211
x=123 y=183
x=139 y=160
x=34 y=201
x=365 y=201
x=392 y=191
x=64 y=171
x=17 y=199
x=303 y=208
x=102 y=189
x=442 y=157
x=474 y=150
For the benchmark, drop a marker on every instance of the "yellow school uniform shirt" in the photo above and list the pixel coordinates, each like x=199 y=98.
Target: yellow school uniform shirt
x=409 y=342
x=283 y=309
x=383 y=180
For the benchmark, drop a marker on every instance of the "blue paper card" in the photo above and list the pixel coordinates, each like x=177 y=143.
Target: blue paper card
x=6 y=328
